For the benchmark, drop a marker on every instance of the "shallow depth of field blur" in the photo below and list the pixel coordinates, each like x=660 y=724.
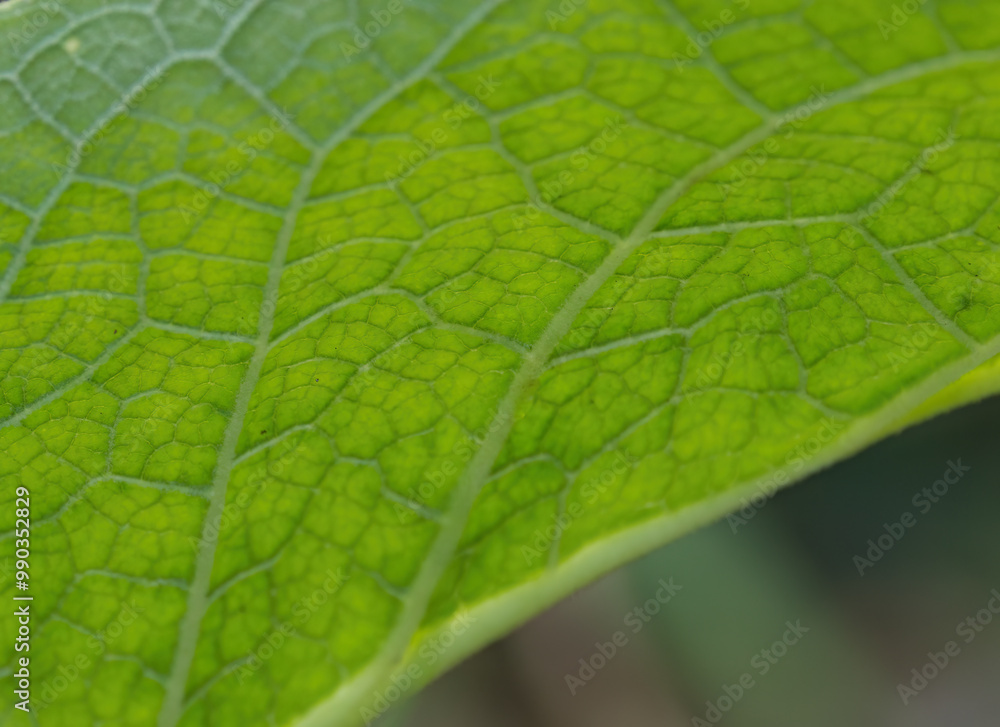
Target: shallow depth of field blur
x=793 y=560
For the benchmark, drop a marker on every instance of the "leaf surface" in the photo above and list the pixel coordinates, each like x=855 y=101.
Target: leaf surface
x=337 y=339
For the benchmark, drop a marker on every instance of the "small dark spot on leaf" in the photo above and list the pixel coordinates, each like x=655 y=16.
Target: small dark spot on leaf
x=263 y=431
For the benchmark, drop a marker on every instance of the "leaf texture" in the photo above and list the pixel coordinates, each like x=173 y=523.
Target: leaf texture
x=337 y=338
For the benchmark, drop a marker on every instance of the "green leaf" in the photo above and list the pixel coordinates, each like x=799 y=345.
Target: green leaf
x=338 y=338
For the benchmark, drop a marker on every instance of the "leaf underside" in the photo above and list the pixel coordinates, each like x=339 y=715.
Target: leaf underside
x=366 y=324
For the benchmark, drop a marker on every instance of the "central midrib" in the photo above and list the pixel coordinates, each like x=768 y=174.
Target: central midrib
x=340 y=707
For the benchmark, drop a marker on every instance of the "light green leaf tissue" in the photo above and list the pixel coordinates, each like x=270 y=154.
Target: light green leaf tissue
x=338 y=338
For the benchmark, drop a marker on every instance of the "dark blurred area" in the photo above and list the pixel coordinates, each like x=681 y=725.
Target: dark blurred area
x=774 y=624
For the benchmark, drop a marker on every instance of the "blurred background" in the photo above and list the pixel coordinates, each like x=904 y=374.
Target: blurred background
x=793 y=561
